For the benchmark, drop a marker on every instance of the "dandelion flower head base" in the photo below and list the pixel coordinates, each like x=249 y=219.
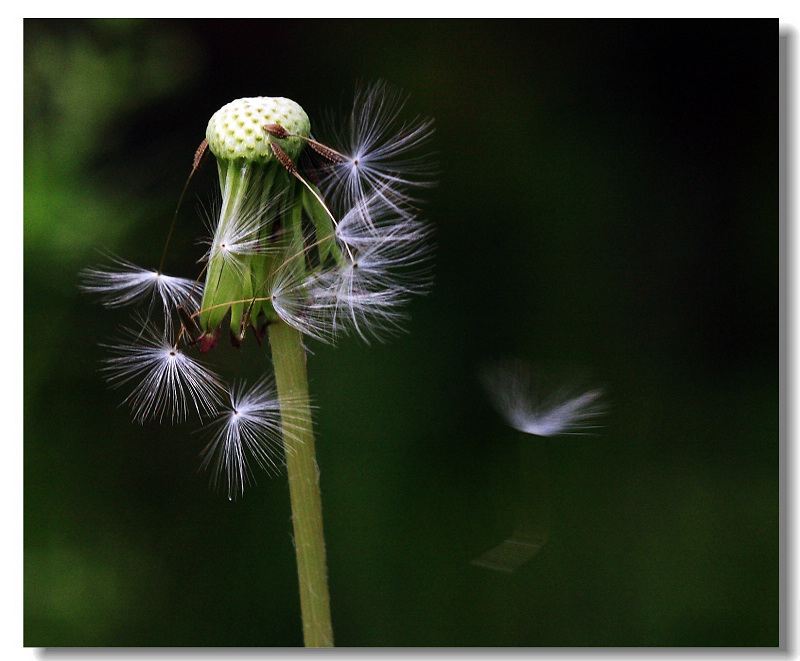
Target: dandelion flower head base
x=237 y=129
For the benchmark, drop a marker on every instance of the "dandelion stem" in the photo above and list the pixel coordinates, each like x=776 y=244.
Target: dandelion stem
x=289 y=361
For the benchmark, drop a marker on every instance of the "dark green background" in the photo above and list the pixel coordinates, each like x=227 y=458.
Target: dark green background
x=608 y=200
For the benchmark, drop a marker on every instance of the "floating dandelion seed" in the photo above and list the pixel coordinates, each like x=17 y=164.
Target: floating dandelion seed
x=519 y=398
x=522 y=400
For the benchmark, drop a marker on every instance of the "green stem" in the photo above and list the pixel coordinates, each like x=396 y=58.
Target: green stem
x=289 y=361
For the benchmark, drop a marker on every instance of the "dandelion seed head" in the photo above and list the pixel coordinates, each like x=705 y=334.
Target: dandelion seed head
x=332 y=271
x=334 y=252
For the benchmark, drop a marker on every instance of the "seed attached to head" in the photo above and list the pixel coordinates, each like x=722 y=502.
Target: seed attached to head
x=326 y=152
x=283 y=158
x=276 y=131
x=202 y=150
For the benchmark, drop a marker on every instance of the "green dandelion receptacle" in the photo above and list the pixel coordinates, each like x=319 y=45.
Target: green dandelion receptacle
x=237 y=129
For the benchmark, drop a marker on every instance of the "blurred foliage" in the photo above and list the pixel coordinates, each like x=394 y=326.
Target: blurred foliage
x=82 y=83
x=607 y=200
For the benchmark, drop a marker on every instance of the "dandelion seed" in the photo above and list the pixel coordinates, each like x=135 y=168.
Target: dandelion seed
x=238 y=239
x=167 y=381
x=380 y=152
x=125 y=284
x=343 y=299
x=242 y=237
x=371 y=221
x=390 y=261
x=251 y=429
x=290 y=299
x=517 y=395
x=386 y=261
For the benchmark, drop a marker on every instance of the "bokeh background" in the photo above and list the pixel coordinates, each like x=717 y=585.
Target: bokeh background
x=607 y=204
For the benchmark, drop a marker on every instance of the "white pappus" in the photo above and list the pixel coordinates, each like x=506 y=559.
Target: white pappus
x=518 y=395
